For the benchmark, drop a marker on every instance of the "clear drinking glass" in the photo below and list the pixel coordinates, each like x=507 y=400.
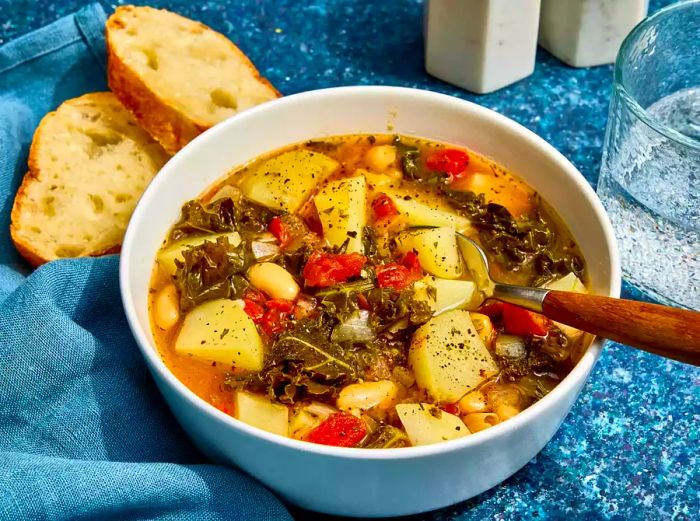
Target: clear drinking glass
x=650 y=174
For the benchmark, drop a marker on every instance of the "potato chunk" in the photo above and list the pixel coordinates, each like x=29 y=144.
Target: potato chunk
x=436 y=249
x=220 y=331
x=260 y=412
x=341 y=207
x=426 y=424
x=285 y=182
x=569 y=282
x=375 y=181
x=166 y=257
x=422 y=210
x=448 y=357
x=444 y=294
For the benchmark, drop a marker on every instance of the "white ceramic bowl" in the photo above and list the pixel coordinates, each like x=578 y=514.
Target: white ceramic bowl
x=365 y=482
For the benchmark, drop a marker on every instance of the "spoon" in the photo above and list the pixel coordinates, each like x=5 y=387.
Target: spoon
x=661 y=330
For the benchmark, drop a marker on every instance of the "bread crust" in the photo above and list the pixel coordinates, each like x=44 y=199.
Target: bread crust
x=170 y=127
x=24 y=248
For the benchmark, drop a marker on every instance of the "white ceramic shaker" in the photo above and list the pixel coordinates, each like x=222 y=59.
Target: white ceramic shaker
x=481 y=45
x=584 y=33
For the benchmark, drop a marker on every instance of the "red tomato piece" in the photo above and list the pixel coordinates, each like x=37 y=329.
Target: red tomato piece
x=254 y=310
x=392 y=275
x=492 y=309
x=313 y=223
x=340 y=430
x=274 y=321
x=398 y=276
x=280 y=304
x=326 y=269
x=279 y=230
x=411 y=261
x=363 y=303
x=451 y=408
x=520 y=321
x=448 y=160
x=384 y=206
x=225 y=408
x=254 y=295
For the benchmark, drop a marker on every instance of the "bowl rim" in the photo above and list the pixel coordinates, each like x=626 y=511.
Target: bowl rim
x=149 y=351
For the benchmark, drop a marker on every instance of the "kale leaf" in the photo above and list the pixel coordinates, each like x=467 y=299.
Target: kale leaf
x=545 y=355
x=211 y=270
x=321 y=146
x=526 y=245
x=370 y=245
x=413 y=166
x=386 y=437
x=409 y=159
x=374 y=248
x=391 y=309
x=199 y=219
x=340 y=301
x=304 y=363
x=222 y=215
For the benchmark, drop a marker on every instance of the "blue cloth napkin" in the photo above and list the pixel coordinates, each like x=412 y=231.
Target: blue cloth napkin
x=83 y=430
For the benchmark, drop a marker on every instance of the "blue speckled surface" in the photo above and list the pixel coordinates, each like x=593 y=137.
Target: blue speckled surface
x=629 y=448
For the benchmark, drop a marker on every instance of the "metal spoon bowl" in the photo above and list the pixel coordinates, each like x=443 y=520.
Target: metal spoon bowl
x=661 y=330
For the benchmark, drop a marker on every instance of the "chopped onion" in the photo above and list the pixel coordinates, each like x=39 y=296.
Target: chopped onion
x=354 y=329
x=264 y=251
x=225 y=192
x=397 y=326
x=265 y=237
x=320 y=410
x=511 y=346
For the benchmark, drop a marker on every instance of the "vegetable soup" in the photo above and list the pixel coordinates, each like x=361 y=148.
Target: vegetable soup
x=319 y=293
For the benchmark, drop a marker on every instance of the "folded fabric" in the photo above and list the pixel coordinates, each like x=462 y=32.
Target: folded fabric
x=83 y=430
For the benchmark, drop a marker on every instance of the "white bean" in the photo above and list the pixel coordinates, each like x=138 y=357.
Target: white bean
x=359 y=397
x=274 y=280
x=167 y=307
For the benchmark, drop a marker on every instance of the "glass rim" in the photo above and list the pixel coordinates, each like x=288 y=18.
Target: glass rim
x=625 y=49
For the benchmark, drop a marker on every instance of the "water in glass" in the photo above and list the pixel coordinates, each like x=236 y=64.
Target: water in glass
x=650 y=186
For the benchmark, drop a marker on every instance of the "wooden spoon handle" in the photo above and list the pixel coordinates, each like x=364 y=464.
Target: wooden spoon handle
x=662 y=330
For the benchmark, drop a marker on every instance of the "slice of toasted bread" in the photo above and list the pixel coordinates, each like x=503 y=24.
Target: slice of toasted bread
x=178 y=77
x=89 y=162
